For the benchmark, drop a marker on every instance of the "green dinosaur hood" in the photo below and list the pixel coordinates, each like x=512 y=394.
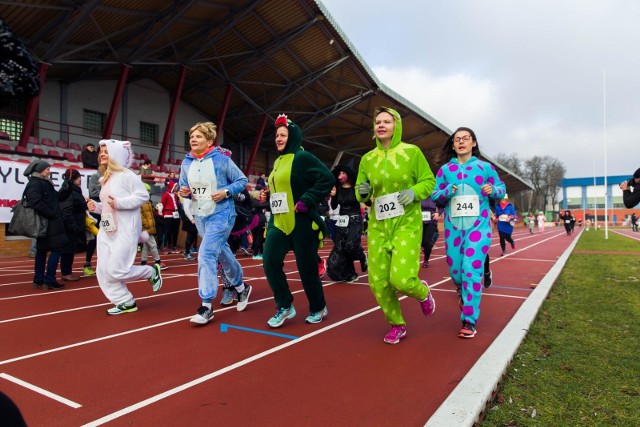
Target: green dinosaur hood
x=397 y=130
x=294 y=141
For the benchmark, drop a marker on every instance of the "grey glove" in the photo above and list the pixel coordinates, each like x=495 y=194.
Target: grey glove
x=364 y=188
x=406 y=196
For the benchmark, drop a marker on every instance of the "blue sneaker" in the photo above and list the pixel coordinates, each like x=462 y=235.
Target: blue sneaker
x=229 y=296
x=281 y=315
x=316 y=317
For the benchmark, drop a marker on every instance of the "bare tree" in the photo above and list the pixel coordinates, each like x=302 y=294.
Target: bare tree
x=545 y=173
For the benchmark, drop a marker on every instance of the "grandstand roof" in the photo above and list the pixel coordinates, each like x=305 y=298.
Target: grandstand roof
x=279 y=56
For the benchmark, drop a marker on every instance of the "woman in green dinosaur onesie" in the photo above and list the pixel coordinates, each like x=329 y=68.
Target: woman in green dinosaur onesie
x=299 y=182
x=397 y=177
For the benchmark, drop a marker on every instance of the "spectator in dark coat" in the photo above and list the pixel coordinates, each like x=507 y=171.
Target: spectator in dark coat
x=89 y=157
x=74 y=211
x=43 y=198
x=631 y=191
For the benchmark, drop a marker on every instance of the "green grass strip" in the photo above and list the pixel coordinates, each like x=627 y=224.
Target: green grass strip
x=580 y=363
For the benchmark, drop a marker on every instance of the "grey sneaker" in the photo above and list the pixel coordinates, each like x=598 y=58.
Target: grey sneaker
x=281 y=315
x=229 y=296
x=316 y=317
x=202 y=316
x=243 y=298
x=156 y=278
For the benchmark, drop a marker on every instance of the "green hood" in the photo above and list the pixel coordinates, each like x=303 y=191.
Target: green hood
x=294 y=141
x=397 y=130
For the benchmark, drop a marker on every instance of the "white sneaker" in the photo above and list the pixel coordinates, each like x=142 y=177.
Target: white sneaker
x=243 y=298
x=202 y=316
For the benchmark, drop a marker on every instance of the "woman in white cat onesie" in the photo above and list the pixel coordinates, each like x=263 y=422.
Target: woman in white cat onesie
x=121 y=195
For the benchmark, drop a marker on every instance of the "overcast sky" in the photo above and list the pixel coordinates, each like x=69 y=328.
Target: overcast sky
x=528 y=76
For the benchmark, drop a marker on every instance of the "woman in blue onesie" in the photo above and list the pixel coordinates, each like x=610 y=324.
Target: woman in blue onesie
x=465 y=184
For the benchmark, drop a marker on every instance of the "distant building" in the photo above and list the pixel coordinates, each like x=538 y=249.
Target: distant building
x=585 y=199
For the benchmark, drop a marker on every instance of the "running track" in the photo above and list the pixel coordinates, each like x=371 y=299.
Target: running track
x=66 y=363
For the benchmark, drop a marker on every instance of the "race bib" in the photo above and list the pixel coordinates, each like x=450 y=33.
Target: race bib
x=176 y=214
x=387 y=206
x=279 y=204
x=201 y=191
x=503 y=218
x=426 y=216
x=465 y=206
x=342 y=221
x=107 y=222
x=567 y=221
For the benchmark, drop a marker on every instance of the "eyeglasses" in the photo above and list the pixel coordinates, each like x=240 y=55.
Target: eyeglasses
x=465 y=138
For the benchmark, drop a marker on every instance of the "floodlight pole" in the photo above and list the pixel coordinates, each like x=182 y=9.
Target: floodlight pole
x=604 y=119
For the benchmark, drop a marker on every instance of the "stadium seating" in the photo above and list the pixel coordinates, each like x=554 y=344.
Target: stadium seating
x=75 y=146
x=33 y=140
x=53 y=153
x=38 y=151
x=62 y=144
x=21 y=149
x=5 y=147
x=48 y=142
x=70 y=157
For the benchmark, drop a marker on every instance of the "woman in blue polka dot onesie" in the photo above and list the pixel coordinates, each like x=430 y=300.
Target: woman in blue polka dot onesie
x=465 y=185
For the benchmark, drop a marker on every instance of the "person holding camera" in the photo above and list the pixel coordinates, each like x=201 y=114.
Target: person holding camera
x=631 y=190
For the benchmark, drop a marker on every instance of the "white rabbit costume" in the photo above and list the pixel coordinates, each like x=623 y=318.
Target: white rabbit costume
x=119 y=233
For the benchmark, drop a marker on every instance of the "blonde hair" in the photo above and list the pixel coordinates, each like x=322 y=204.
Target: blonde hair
x=107 y=170
x=208 y=129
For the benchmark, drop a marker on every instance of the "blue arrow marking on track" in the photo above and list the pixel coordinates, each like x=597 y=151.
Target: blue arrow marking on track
x=224 y=327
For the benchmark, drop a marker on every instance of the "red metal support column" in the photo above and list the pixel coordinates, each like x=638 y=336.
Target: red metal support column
x=256 y=145
x=166 y=140
x=115 y=103
x=32 y=108
x=223 y=113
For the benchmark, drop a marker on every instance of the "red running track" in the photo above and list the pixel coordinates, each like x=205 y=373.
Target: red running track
x=65 y=362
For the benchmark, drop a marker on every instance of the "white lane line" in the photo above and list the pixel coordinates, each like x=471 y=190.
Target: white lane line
x=224 y=370
x=132 y=331
x=200 y=380
x=40 y=390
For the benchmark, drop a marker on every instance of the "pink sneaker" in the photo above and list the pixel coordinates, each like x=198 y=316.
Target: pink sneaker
x=395 y=334
x=428 y=306
x=322 y=268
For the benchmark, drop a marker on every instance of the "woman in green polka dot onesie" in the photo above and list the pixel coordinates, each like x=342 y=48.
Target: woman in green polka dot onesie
x=395 y=176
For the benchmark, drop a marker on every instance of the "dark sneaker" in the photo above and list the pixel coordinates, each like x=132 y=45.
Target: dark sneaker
x=243 y=297
x=123 y=308
x=488 y=279
x=395 y=334
x=202 y=316
x=364 y=263
x=316 y=317
x=281 y=315
x=352 y=279
x=53 y=286
x=468 y=330
x=513 y=245
x=425 y=264
x=156 y=278
x=428 y=306
x=229 y=296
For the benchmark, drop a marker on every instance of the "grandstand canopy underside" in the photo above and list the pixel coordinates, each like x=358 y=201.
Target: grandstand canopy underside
x=276 y=56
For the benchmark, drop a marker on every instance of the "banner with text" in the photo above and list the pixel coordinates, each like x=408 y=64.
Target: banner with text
x=12 y=184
